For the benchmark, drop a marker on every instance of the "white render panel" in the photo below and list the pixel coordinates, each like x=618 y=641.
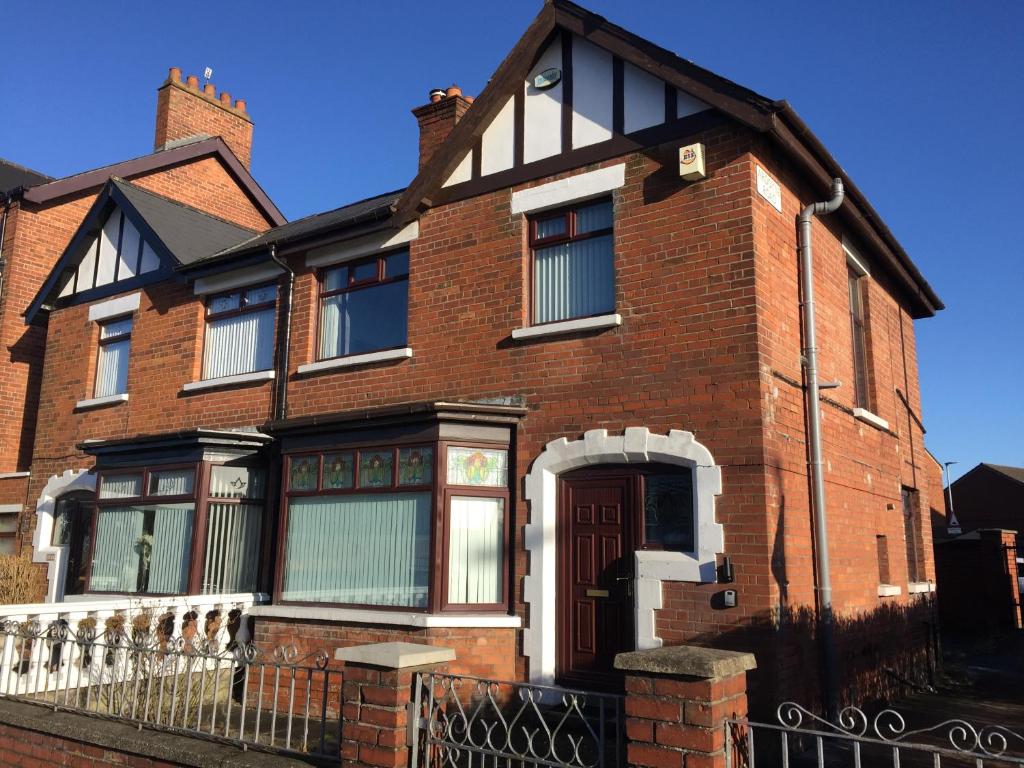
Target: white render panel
x=122 y=305
x=497 y=145
x=643 y=99
x=108 y=249
x=236 y=278
x=128 y=257
x=542 y=117
x=150 y=261
x=687 y=105
x=69 y=286
x=591 y=93
x=358 y=247
x=463 y=171
x=87 y=269
x=574 y=188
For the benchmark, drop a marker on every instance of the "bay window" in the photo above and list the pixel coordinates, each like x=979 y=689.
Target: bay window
x=240 y=332
x=573 y=266
x=170 y=530
x=112 y=358
x=361 y=527
x=364 y=306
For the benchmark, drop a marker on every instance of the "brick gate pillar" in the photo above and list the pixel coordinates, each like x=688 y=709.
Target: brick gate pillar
x=377 y=684
x=677 y=702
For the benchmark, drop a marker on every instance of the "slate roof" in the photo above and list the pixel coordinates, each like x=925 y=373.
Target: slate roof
x=13 y=176
x=1014 y=473
x=371 y=209
x=189 y=234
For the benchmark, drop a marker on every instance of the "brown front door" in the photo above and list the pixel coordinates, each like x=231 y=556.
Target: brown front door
x=595 y=594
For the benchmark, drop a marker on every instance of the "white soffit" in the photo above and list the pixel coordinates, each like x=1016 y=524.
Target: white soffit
x=579 y=187
x=362 y=246
x=122 y=305
x=236 y=278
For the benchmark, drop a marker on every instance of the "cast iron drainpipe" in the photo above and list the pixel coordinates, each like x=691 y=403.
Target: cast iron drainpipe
x=281 y=400
x=810 y=354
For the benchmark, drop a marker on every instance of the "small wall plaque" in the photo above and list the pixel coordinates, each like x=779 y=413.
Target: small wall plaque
x=549 y=78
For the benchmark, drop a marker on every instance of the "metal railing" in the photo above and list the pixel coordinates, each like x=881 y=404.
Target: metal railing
x=194 y=684
x=801 y=737
x=462 y=722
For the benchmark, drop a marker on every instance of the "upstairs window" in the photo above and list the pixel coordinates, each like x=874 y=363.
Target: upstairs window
x=8 y=532
x=860 y=340
x=573 y=264
x=112 y=361
x=240 y=332
x=364 y=306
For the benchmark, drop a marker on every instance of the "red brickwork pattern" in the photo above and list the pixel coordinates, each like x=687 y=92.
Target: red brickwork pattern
x=29 y=749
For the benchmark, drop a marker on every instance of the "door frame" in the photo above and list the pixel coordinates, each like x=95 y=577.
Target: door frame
x=633 y=529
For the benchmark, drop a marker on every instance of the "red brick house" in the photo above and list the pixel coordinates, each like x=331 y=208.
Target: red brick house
x=544 y=405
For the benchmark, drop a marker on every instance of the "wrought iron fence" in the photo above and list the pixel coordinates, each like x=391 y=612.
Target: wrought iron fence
x=229 y=692
x=855 y=739
x=462 y=722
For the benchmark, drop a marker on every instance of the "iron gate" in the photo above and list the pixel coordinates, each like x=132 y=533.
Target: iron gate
x=470 y=722
x=801 y=738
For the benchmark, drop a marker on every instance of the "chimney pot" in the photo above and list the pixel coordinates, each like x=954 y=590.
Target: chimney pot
x=225 y=98
x=436 y=95
x=193 y=82
x=453 y=90
x=469 y=99
x=210 y=89
x=174 y=74
x=240 y=105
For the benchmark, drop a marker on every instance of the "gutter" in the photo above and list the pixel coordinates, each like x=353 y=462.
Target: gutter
x=810 y=354
x=796 y=137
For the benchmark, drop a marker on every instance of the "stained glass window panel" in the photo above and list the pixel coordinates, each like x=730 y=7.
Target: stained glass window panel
x=375 y=469
x=303 y=473
x=339 y=470
x=415 y=466
x=227 y=482
x=668 y=511
x=477 y=466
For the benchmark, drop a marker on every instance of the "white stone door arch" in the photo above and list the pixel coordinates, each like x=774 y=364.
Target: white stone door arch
x=43 y=550
x=638 y=445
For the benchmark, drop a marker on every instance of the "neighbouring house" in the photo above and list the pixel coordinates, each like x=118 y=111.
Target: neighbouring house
x=201 y=160
x=544 y=405
x=978 y=550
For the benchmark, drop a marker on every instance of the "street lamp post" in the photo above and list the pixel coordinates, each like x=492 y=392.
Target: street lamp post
x=953 y=525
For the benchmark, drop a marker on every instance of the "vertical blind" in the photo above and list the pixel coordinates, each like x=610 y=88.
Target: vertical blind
x=112 y=366
x=232 y=548
x=240 y=344
x=369 y=549
x=143 y=549
x=475 y=554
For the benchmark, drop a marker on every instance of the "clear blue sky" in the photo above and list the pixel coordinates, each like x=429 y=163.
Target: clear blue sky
x=920 y=102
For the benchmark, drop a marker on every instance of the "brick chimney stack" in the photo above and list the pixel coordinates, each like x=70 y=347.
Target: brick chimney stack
x=184 y=111
x=438 y=117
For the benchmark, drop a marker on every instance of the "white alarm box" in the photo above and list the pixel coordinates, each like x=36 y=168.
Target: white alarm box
x=691 y=162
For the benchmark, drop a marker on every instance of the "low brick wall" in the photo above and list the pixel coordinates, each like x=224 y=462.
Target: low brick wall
x=481 y=652
x=33 y=736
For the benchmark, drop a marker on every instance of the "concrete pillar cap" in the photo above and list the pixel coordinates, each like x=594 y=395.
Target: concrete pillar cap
x=689 y=660
x=395 y=655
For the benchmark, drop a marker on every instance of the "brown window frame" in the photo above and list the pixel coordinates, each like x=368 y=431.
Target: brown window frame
x=243 y=308
x=13 y=535
x=200 y=498
x=859 y=339
x=101 y=342
x=569 y=213
x=440 y=490
x=352 y=285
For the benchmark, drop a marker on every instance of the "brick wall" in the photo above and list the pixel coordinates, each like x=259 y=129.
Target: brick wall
x=184 y=111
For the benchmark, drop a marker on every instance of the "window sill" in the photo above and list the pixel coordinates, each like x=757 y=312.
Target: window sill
x=568 y=326
x=12 y=475
x=889 y=590
x=862 y=414
x=99 y=402
x=354 y=360
x=228 y=381
x=920 y=587
x=370 y=616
